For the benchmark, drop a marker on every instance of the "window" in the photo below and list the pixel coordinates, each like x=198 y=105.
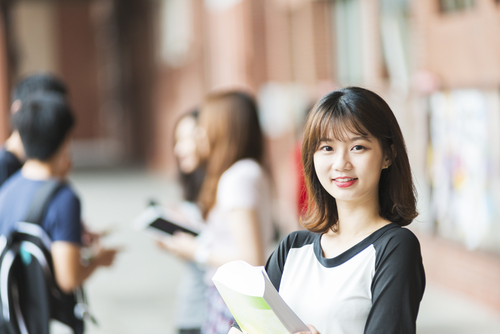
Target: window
x=347 y=32
x=396 y=42
x=449 y=6
x=176 y=31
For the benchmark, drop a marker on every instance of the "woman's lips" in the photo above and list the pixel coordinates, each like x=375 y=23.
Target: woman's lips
x=344 y=182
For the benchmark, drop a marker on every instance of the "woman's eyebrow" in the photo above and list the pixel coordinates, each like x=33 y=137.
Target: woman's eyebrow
x=359 y=138
x=352 y=139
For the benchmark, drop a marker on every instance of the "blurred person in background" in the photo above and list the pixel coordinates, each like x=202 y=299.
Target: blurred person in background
x=235 y=197
x=45 y=122
x=191 y=307
x=355 y=270
x=12 y=154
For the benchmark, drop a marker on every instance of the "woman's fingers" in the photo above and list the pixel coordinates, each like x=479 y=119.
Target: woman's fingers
x=312 y=330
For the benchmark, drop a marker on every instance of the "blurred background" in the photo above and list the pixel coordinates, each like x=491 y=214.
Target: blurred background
x=133 y=66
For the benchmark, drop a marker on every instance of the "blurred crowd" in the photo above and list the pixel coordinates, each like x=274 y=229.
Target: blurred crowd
x=227 y=194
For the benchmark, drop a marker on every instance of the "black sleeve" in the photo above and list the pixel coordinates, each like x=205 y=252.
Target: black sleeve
x=276 y=262
x=398 y=285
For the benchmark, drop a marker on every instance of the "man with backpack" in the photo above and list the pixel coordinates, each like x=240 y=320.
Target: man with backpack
x=12 y=153
x=44 y=122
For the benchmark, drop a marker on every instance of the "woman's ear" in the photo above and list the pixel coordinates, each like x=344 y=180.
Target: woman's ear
x=387 y=162
x=387 y=159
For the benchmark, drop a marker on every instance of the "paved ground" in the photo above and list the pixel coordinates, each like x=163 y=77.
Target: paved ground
x=137 y=295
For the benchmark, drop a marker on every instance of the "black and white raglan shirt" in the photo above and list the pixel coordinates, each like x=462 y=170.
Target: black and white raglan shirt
x=375 y=287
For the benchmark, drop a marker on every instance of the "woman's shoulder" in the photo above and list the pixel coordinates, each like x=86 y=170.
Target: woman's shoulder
x=295 y=240
x=298 y=239
x=243 y=168
x=247 y=165
x=397 y=240
x=395 y=233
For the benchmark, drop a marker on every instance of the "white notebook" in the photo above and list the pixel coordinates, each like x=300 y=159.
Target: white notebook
x=255 y=304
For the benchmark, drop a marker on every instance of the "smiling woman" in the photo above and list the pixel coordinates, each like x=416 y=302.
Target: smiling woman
x=355 y=270
x=358 y=117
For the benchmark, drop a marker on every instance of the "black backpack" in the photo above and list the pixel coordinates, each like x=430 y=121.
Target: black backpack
x=29 y=295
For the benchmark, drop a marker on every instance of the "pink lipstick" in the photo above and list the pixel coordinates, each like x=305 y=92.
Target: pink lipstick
x=344 y=182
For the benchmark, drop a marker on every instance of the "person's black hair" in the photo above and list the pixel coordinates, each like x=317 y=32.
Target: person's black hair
x=38 y=82
x=44 y=121
x=191 y=183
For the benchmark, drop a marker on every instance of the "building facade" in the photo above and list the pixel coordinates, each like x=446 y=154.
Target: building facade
x=437 y=63
x=103 y=50
x=134 y=66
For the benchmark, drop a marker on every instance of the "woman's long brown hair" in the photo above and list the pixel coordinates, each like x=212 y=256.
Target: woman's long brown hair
x=362 y=112
x=233 y=132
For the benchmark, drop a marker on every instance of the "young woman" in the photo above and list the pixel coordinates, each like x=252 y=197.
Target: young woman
x=235 y=197
x=355 y=270
x=191 y=302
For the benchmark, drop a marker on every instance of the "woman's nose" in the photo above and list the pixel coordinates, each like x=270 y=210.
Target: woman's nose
x=341 y=161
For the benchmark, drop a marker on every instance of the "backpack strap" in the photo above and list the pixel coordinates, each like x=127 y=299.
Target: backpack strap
x=42 y=199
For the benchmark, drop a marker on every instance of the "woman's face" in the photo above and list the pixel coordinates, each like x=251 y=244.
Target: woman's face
x=350 y=170
x=185 y=148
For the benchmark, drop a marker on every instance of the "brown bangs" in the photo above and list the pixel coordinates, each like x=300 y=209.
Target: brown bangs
x=335 y=124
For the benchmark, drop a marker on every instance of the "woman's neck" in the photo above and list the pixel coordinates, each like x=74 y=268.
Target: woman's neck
x=356 y=222
x=357 y=219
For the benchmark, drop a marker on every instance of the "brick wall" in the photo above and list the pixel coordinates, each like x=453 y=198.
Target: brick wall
x=462 y=48
x=473 y=273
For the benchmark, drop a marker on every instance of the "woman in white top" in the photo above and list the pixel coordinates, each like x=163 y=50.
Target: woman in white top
x=356 y=270
x=235 y=198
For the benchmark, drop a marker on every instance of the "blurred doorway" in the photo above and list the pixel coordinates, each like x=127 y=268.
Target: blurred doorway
x=103 y=50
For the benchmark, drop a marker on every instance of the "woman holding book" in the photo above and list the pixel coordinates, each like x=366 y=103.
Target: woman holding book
x=191 y=302
x=356 y=269
x=235 y=197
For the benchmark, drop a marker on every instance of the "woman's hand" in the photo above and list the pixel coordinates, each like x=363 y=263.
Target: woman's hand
x=312 y=330
x=180 y=244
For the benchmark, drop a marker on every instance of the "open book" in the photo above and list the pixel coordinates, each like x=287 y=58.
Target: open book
x=254 y=302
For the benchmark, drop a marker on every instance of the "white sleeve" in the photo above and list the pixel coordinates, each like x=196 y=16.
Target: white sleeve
x=239 y=186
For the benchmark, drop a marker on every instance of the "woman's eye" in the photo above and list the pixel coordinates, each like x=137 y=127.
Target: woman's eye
x=326 y=148
x=358 y=148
